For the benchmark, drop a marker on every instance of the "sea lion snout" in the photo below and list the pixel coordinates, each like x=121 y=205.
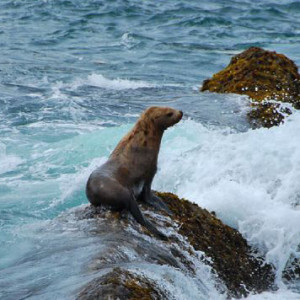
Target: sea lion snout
x=180 y=115
x=172 y=116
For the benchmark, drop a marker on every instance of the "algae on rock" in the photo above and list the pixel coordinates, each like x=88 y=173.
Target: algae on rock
x=263 y=76
x=229 y=251
x=123 y=285
x=192 y=231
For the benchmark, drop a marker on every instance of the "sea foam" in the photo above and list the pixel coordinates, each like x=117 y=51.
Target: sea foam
x=116 y=84
x=250 y=179
x=8 y=162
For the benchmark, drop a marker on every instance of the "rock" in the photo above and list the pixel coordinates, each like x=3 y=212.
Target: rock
x=190 y=229
x=230 y=253
x=121 y=284
x=262 y=75
x=291 y=272
x=267 y=114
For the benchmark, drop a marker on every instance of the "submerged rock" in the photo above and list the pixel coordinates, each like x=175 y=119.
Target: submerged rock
x=291 y=271
x=262 y=75
x=131 y=262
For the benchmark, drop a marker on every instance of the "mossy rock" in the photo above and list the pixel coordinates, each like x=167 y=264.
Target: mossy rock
x=232 y=258
x=123 y=285
x=236 y=267
x=262 y=75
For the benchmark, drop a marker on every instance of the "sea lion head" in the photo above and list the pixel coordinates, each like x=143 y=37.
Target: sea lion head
x=162 y=117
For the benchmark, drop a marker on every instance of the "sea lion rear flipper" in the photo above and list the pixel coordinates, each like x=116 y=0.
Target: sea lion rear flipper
x=137 y=214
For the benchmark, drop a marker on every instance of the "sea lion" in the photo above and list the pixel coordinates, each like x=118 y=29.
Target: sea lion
x=128 y=173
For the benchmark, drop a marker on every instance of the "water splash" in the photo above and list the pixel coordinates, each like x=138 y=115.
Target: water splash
x=249 y=179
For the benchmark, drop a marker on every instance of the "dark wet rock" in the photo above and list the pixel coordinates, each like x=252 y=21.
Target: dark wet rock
x=267 y=114
x=291 y=272
x=263 y=76
x=196 y=237
x=136 y=244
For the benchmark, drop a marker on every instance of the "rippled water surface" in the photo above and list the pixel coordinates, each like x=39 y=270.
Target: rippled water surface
x=75 y=75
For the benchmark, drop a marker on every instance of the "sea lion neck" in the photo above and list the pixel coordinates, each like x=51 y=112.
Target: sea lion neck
x=146 y=131
x=144 y=136
x=147 y=124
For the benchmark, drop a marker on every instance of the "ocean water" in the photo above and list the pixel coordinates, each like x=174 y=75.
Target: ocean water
x=74 y=77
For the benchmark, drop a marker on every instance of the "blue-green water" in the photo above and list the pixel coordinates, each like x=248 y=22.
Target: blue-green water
x=75 y=75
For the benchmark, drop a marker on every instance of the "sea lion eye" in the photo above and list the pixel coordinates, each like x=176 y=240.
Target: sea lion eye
x=170 y=114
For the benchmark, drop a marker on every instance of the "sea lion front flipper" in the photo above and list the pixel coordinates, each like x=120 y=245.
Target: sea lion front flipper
x=148 y=197
x=138 y=215
x=158 y=203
